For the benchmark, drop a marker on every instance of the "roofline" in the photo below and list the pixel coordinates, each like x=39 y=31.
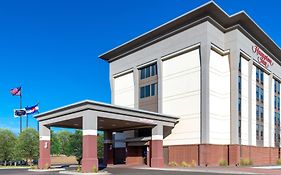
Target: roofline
x=102 y=55
x=91 y=102
x=136 y=42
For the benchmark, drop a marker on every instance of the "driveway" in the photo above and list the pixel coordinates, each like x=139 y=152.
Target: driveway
x=114 y=171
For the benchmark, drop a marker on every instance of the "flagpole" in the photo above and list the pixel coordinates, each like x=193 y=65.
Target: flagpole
x=21 y=108
x=26 y=120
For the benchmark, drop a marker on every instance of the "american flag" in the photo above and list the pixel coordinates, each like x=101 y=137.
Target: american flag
x=16 y=91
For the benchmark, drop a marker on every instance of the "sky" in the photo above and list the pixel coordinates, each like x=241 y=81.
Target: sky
x=51 y=47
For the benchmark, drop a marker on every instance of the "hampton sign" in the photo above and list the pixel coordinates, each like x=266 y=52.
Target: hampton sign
x=263 y=58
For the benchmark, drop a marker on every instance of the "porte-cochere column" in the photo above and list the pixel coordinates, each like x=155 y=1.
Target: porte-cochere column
x=157 y=158
x=44 y=147
x=89 y=155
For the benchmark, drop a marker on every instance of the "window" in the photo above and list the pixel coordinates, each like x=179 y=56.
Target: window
x=148 y=71
x=240 y=64
x=261 y=129
x=239 y=105
x=239 y=128
x=277 y=112
x=153 y=89
x=148 y=90
x=261 y=113
x=278 y=103
x=142 y=92
x=257 y=93
x=257 y=74
x=261 y=76
x=257 y=131
x=257 y=112
x=145 y=91
x=261 y=92
x=153 y=70
x=275 y=86
x=142 y=74
x=278 y=84
x=239 y=84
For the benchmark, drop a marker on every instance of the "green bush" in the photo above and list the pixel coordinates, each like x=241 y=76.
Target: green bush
x=173 y=164
x=246 y=162
x=223 y=162
x=278 y=162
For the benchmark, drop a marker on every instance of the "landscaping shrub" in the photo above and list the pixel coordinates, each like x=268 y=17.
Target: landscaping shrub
x=78 y=168
x=173 y=164
x=95 y=170
x=185 y=164
x=193 y=163
x=246 y=162
x=223 y=162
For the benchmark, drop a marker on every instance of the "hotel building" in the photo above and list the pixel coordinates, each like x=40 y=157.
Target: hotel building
x=216 y=75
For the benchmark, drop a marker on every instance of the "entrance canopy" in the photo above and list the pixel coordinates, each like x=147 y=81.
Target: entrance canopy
x=91 y=116
x=109 y=117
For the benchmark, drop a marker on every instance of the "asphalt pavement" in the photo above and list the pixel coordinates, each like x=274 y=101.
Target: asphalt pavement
x=113 y=171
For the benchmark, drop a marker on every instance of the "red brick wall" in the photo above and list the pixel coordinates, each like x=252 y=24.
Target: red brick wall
x=245 y=152
x=212 y=154
x=274 y=155
x=182 y=153
x=234 y=154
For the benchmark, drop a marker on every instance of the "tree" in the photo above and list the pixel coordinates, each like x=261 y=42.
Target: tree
x=55 y=144
x=27 y=144
x=100 y=146
x=64 y=142
x=75 y=145
x=7 y=143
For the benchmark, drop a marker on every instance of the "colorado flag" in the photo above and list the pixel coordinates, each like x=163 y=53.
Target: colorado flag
x=32 y=109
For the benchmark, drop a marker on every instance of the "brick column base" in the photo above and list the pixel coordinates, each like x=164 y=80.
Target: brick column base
x=157 y=159
x=89 y=161
x=45 y=158
x=89 y=164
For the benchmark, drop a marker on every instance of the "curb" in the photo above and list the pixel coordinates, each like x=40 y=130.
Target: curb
x=78 y=173
x=15 y=168
x=199 y=171
x=46 y=170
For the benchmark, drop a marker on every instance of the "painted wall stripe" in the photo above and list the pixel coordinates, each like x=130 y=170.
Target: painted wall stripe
x=45 y=138
x=90 y=132
x=157 y=137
